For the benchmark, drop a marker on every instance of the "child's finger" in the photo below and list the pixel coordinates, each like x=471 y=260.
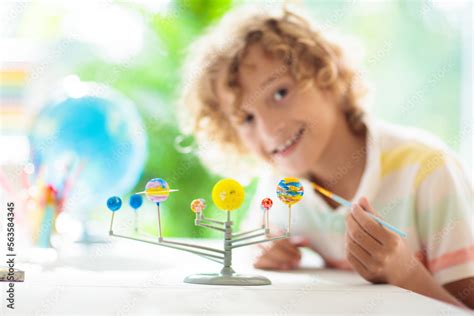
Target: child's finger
x=290 y=248
x=269 y=264
x=290 y=244
x=358 y=266
x=359 y=235
x=368 y=224
x=300 y=242
x=365 y=204
x=264 y=262
x=281 y=254
x=358 y=251
x=282 y=251
x=280 y=258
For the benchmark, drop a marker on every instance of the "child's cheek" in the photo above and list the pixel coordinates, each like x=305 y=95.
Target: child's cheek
x=248 y=139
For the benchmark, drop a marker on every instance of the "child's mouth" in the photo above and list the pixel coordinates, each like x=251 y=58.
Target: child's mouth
x=288 y=147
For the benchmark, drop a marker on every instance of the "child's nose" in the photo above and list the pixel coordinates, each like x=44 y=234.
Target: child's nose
x=271 y=125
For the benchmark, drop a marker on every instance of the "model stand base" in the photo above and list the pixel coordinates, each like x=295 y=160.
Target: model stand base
x=227 y=278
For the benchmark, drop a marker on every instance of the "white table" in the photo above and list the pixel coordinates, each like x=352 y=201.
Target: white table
x=126 y=277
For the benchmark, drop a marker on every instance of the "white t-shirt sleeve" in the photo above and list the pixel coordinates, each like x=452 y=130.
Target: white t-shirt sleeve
x=444 y=214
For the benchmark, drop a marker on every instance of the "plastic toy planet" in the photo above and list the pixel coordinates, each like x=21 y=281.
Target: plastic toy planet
x=157 y=190
x=136 y=201
x=114 y=203
x=290 y=190
x=198 y=205
x=228 y=194
x=266 y=204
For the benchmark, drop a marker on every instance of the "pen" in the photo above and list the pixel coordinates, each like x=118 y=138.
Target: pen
x=342 y=201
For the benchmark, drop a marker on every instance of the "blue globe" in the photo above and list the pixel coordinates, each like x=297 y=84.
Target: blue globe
x=102 y=138
x=114 y=203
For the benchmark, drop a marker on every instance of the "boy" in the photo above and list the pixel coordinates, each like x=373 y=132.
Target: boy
x=273 y=89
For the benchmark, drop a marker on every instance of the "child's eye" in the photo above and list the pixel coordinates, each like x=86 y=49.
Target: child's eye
x=280 y=94
x=243 y=117
x=248 y=118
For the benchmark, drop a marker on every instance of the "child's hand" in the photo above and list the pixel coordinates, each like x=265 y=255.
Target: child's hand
x=280 y=255
x=377 y=254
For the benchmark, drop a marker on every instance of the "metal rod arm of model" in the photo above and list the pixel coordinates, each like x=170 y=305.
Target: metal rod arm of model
x=227 y=195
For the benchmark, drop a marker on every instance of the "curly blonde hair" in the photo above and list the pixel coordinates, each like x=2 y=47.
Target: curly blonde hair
x=307 y=55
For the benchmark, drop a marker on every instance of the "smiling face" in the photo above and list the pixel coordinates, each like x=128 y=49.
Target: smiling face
x=283 y=124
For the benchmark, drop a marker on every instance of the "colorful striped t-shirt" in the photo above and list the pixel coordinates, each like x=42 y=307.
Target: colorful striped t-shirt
x=414 y=182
